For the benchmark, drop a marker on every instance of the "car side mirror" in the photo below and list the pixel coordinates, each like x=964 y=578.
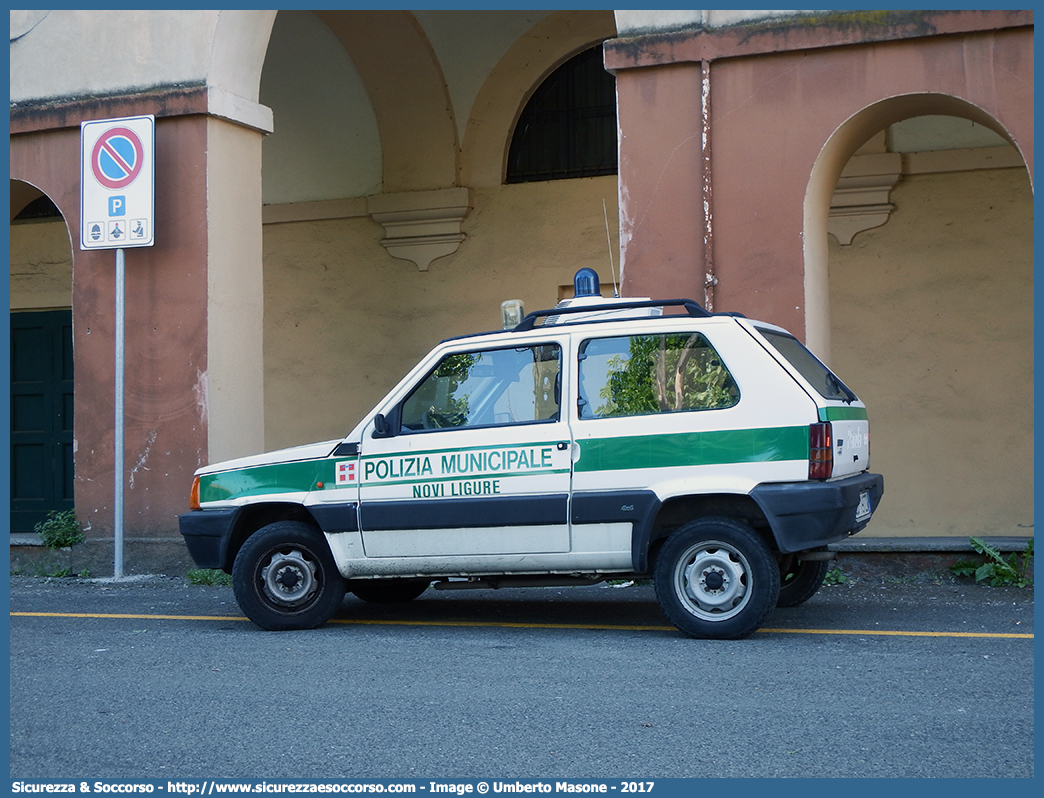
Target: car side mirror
x=381 y=427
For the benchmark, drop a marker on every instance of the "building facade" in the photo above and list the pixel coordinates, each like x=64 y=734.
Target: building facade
x=336 y=191
x=865 y=180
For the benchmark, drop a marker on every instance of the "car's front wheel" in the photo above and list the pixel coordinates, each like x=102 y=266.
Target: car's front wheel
x=284 y=577
x=716 y=578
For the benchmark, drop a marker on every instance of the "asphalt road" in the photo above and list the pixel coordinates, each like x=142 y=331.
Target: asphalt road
x=869 y=679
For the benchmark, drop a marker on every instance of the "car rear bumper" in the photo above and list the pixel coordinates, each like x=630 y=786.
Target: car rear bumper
x=804 y=515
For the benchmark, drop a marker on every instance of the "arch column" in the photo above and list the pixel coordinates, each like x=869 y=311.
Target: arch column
x=194 y=390
x=234 y=381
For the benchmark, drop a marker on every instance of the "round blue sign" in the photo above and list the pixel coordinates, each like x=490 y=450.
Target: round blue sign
x=117 y=157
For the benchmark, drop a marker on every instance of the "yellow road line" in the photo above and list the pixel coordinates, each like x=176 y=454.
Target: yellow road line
x=519 y=625
x=127 y=615
x=896 y=633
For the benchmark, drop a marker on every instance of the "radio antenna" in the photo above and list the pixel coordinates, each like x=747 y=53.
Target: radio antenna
x=609 y=241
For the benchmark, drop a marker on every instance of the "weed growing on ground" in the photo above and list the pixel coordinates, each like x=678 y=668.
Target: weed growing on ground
x=997 y=571
x=60 y=530
x=835 y=576
x=209 y=576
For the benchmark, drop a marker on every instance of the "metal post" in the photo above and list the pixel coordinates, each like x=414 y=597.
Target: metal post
x=117 y=568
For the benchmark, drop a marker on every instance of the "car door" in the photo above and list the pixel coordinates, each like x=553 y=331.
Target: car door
x=674 y=412
x=473 y=463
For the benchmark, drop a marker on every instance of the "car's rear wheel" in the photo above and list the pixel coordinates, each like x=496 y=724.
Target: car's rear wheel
x=388 y=591
x=284 y=577
x=716 y=578
x=799 y=580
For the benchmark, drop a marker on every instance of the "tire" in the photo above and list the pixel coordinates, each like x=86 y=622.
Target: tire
x=388 y=591
x=800 y=580
x=284 y=577
x=716 y=578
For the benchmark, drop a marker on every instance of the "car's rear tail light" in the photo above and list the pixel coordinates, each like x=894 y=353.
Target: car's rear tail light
x=820 y=451
x=194 y=495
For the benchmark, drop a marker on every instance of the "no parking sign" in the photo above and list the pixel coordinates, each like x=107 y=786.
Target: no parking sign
x=117 y=195
x=117 y=182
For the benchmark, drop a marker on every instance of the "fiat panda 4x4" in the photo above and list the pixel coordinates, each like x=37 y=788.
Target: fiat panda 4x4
x=614 y=439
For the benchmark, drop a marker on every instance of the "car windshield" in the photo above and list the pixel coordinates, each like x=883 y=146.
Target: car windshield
x=808 y=366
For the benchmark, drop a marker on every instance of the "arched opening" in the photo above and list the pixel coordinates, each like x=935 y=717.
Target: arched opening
x=845 y=141
x=927 y=310
x=568 y=127
x=41 y=359
x=364 y=151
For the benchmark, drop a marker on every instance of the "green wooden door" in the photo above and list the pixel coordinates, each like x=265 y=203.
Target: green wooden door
x=41 y=416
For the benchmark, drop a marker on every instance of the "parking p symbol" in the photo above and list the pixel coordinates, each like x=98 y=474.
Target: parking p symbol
x=117 y=206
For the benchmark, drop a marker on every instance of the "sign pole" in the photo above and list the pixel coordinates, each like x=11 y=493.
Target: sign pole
x=117 y=209
x=117 y=522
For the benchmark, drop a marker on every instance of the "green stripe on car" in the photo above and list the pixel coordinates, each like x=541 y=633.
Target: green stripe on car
x=694 y=449
x=600 y=454
x=294 y=477
x=842 y=414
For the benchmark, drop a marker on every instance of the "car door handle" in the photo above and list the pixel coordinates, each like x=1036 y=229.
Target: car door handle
x=563 y=445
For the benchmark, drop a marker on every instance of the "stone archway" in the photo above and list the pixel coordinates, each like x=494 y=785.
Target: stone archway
x=41 y=455
x=929 y=317
x=194 y=373
x=837 y=151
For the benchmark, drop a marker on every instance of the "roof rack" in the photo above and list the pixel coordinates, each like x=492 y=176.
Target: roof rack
x=692 y=308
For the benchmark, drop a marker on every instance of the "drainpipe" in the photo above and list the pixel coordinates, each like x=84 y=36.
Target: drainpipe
x=709 y=280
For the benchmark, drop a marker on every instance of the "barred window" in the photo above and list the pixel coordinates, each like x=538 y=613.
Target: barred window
x=568 y=127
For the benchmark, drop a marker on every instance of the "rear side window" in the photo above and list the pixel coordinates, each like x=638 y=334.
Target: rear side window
x=808 y=366
x=644 y=374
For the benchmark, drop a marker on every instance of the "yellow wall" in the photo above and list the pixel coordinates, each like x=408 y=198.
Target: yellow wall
x=344 y=321
x=932 y=326
x=41 y=266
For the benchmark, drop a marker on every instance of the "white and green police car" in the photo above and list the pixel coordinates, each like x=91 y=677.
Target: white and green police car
x=710 y=452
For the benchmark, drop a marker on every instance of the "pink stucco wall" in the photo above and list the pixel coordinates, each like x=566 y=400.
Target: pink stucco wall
x=776 y=97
